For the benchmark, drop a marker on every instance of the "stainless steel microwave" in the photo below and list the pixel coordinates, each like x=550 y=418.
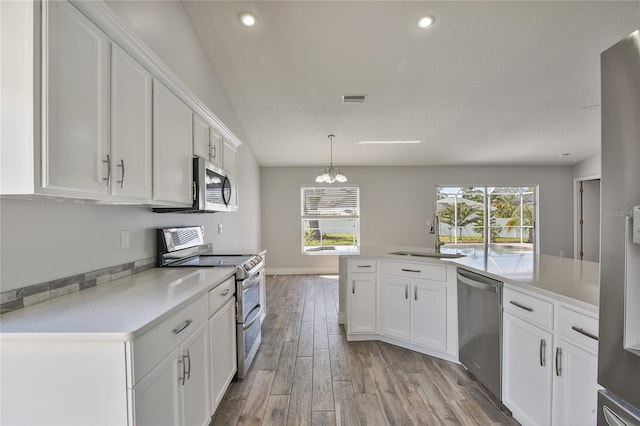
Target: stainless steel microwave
x=211 y=190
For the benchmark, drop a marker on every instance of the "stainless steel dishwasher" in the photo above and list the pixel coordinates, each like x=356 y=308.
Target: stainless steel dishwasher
x=480 y=328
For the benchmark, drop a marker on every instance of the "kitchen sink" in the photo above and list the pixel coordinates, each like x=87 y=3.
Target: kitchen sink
x=433 y=255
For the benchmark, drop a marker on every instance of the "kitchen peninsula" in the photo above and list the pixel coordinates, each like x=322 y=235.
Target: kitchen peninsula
x=548 y=318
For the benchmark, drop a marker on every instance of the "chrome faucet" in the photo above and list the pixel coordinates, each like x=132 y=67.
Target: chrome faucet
x=435 y=229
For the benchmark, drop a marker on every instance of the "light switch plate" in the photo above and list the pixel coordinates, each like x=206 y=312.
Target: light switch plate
x=636 y=224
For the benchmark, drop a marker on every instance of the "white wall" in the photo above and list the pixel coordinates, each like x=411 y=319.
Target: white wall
x=395 y=203
x=42 y=241
x=588 y=168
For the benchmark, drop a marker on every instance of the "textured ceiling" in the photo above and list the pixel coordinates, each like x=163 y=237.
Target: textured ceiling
x=491 y=83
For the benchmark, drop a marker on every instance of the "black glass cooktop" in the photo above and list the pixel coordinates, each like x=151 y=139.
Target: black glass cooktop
x=213 y=261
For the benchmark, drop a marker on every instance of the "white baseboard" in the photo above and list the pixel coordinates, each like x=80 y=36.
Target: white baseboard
x=341 y=318
x=301 y=271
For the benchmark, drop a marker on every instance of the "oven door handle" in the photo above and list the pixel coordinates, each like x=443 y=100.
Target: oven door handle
x=256 y=318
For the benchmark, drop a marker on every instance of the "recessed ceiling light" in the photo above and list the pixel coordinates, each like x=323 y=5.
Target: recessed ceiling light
x=248 y=19
x=388 y=142
x=425 y=22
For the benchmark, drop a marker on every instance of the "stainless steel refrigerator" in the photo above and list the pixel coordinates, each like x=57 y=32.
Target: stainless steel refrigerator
x=619 y=345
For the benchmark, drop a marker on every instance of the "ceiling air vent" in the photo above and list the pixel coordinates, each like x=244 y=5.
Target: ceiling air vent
x=353 y=99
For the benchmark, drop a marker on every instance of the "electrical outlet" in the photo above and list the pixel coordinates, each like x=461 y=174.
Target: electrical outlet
x=219 y=228
x=561 y=254
x=124 y=239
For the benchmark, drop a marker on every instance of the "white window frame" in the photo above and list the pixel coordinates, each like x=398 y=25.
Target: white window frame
x=353 y=249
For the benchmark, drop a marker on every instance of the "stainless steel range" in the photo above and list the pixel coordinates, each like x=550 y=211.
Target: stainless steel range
x=184 y=247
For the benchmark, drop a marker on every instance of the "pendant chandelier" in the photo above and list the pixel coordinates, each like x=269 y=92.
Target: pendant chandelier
x=331 y=174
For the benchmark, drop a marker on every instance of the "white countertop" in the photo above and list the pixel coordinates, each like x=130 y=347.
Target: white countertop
x=121 y=310
x=568 y=280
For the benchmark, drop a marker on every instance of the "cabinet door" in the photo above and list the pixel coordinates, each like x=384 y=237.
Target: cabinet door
x=215 y=147
x=201 y=147
x=230 y=164
x=156 y=400
x=222 y=338
x=429 y=314
x=130 y=127
x=575 y=385
x=395 y=313
x=172 y=148
x=362 y=303
x=195 y=391
x=76 y=98
x=526 y=379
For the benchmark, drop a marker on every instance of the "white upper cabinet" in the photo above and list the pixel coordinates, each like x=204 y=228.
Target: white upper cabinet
x=130 y=127
x=207 y=142
x=172 y=148
x=75 y=144
x=97 y=121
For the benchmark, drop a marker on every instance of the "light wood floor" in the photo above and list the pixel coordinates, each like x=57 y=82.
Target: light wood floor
x=306 y=373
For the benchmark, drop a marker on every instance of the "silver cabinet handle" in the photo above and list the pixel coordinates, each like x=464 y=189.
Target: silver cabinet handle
x=224 y=293
x=214 y=151
x=415 y=293
x=188 y=375
x=183 y=379
x=558 y=361
x=182 y=326
x=411 y=270
x=526 y=308
x=543 y=350
x=406 y=291
x=108 y=178
x=364 y=266
x=121 y=182
x=353 y=287
x=584 y=332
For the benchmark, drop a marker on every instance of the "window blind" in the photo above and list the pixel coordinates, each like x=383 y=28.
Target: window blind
x=334 y=201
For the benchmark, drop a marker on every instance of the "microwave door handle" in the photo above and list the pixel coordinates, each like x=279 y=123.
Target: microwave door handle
x=226 y=183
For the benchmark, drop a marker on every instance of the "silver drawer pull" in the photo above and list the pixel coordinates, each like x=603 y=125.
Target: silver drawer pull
x=364 y=266
x=182 y=326
x=584 y=332
x=224 y=293
x=411 y=270
x=526 y=308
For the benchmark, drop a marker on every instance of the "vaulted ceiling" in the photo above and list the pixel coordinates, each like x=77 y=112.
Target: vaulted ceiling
x=490 y=83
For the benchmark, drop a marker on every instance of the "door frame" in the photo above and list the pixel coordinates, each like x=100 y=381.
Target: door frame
x=576 y=209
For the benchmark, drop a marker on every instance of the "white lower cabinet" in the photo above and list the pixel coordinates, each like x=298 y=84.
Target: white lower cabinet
x=156 y=398
x=550 y=362
x=361 y=297
x=395 y=307
x=429 y=314
x=222 y=332
x=196 y=384
x=362 y=304
x=417 y=306
x=526 y=370
x=575 y=385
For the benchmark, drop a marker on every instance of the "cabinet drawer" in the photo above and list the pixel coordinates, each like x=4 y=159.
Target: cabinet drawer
x=528 y=307
x=219 y=295
x=417 y=270
x=362 y=265
x=153 y=346
x=581 y=328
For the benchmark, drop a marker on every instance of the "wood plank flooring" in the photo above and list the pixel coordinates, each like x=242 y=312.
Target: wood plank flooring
x=306 y=373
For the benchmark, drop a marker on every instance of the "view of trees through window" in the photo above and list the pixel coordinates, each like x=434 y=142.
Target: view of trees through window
x=509 y=212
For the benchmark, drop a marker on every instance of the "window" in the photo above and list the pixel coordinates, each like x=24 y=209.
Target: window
x=509 y=226
x=330 y=219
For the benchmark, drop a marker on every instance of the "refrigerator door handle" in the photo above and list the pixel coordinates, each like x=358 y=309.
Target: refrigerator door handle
x=612 y=418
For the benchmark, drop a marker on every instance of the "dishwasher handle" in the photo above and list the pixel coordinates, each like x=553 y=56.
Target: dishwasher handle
x=472 y=283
